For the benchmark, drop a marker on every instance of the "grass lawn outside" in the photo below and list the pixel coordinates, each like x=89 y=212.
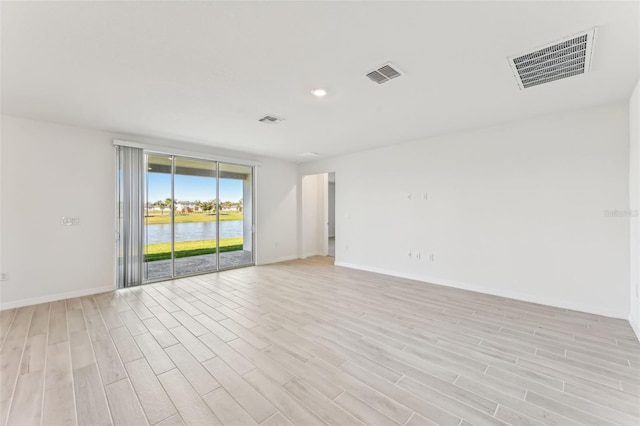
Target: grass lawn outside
x=157 y=219
x=162 y=251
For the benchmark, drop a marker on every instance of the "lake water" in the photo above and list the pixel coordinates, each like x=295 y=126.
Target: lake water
x=193 y=231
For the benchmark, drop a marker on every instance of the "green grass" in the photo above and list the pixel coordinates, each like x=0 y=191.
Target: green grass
x=157 y=219
x=162 y=251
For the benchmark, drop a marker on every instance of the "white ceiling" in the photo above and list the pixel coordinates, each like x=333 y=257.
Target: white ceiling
x=206 y=71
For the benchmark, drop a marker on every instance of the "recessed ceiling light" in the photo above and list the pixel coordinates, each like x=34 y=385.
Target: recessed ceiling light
x=319 y=92
x=308 y=154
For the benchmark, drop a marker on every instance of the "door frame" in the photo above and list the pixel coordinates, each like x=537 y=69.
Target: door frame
x=146 y=153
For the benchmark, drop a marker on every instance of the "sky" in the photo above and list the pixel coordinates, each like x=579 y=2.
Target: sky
x=192 y=188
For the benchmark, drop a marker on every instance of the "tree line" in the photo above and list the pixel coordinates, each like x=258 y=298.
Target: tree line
x=205 y=206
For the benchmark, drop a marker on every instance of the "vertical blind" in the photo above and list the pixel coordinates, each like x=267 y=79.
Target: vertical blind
x=130 y=200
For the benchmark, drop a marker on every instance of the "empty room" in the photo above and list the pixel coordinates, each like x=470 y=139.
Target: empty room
x=320 y=213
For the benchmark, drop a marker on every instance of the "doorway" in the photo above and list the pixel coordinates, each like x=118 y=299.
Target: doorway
x=318 y=218
x=331 y=214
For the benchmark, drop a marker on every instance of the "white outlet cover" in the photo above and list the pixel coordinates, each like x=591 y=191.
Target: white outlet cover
x=69 y=221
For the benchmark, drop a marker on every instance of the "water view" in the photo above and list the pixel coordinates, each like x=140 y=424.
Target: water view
x=206 y=202
x=193 y=231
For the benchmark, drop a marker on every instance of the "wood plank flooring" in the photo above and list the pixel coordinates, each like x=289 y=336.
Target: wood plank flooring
x=307 y=343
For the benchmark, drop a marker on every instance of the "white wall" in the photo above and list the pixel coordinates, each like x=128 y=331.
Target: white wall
x=516 y=210
x=634 y=208
x=49 y=171
x=314 y=195
x=276 y=211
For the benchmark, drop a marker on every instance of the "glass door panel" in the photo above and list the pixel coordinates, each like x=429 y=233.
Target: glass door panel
x=158 y=220
x=195 y=229
x=235 y=215
x=198 y=216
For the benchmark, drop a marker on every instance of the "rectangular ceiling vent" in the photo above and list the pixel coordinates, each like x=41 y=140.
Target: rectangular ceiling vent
x=383 y=74
x=270 y=119
x=561 y=59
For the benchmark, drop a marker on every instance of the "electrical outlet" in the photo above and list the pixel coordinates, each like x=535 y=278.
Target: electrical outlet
x=432 y=258
x=418 y=256
x=410 y=255
x=70 y=221
x=276 y=244
x=4 y=277
x=425 y=196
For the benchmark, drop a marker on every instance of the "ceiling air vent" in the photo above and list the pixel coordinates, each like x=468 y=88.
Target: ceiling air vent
x=561 y=59
x=383 y=74
x=270 y=119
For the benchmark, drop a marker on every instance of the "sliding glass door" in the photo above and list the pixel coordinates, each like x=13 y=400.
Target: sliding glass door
x=198 y=216
x=158 y=220
x=236 y=215
x=194 y=223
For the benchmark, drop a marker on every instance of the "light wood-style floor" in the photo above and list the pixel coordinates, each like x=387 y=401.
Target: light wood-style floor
x=308 y=343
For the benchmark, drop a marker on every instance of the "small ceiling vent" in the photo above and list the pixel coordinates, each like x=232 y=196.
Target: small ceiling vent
x=270 y=119
x=383 y=74
x=561 y=59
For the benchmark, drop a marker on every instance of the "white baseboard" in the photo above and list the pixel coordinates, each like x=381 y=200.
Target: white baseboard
x=315 y=253
x=276 y=260
x=287 y=258
x=55 y=297
x=635 y=325
x=525 y=297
